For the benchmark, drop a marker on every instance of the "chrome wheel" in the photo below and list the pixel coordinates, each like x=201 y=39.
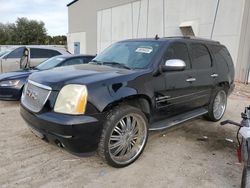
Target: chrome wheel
x=219 y=105
x=127 y=139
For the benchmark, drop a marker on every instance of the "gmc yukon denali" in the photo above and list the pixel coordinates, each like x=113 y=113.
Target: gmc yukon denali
x=134 y=86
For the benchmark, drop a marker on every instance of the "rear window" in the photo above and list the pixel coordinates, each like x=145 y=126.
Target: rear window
x=200 y=55
x=75 y=61
x=43 y=53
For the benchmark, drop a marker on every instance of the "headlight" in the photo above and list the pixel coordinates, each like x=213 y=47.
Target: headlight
x=72 y=99
x=9 y=83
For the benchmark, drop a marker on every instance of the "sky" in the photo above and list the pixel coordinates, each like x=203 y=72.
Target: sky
x=53 y=13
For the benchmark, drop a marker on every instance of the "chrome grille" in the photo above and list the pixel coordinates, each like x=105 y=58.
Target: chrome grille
x=35 y=96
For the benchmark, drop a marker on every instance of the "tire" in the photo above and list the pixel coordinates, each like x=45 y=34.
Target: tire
x=124 y=136
x=217 y=106
x=245 y=181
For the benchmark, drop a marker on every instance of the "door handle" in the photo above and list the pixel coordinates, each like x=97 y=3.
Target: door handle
x=191 y=79
x=214 y=75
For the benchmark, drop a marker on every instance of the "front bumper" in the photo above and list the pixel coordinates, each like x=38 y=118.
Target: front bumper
x=10 y=93
x=78 y=134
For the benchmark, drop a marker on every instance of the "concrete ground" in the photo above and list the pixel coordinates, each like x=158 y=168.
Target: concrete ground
x=178 y=157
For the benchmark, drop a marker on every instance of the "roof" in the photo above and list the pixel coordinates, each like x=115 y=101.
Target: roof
x=164 y=39
x=71 y=3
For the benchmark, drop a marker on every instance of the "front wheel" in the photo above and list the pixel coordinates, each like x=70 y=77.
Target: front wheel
x=124 y=136
x=217 y=106
x=245 y=181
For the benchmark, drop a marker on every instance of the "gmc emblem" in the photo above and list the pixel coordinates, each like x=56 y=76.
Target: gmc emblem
x=31 y=94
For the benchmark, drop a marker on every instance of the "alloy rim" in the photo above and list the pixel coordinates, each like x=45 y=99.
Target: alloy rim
x=219 y=106
x=127 y=139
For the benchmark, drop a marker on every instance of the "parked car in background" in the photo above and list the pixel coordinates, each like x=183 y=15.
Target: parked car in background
x=11 y=84
x=132 y=87
x=6 y=51
x=10 y=61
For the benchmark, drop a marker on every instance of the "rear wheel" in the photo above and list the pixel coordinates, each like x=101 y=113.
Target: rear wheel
x=217 y=106
x=124 y=136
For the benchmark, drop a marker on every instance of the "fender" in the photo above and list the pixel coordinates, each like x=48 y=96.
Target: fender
x=103 y=95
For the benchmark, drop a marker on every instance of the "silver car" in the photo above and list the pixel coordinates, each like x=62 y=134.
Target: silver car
x=10 y=58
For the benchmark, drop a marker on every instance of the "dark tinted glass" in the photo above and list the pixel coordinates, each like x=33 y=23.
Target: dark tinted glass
x=43 y=53
x=75 y=61
x=17 y=53
x=178 y=51
x=200 y=57
x=88 y=59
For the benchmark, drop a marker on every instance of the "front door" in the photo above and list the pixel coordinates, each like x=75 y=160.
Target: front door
x=175 y=99
x=11 y=62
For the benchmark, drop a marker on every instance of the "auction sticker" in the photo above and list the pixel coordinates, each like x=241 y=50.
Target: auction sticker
x=145 y=50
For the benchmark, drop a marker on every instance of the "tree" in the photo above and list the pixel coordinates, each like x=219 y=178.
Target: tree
x=27 y=32
x=30 y=31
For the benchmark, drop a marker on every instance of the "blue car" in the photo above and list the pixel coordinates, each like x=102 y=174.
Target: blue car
x=11 y=83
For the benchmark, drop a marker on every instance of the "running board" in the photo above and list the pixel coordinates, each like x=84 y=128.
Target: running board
x=170 y=122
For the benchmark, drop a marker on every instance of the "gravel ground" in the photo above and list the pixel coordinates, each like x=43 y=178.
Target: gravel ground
x=177 y=157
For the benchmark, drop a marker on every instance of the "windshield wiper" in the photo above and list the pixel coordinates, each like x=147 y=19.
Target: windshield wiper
x=116 y=63
x=110 y=63
x=97 y=62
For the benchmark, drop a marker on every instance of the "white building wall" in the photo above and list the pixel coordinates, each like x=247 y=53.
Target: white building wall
x=146 y=18
x=77 y=37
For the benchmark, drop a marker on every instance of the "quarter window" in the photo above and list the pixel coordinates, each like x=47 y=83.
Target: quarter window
x=178 y=51
x=201 y=58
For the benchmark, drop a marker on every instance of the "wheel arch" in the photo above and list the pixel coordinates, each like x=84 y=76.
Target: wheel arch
x=140 y=101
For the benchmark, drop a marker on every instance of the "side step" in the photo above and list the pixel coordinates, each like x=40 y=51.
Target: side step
x=170 y=122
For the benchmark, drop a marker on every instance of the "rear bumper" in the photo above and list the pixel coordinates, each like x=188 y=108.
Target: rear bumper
x=78 y=134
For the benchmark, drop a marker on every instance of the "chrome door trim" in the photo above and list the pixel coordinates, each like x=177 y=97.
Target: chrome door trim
x=191 y=79
x=214 y=75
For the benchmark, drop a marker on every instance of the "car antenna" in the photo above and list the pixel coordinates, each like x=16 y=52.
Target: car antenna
x=157 y=37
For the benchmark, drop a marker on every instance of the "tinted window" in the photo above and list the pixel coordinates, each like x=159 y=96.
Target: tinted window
x=178 y=51
x=17 y=53
x=200 y=57
x=222 y=56
x=87 y=59
x=43 y=53
x=75 y=61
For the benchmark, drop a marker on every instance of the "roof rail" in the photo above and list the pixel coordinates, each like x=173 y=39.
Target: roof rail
x=193 y=38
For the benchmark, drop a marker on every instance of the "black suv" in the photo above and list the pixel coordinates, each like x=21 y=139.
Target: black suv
x=133 y=86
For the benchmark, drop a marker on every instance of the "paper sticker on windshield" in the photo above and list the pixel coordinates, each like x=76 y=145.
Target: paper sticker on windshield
x=145 y=50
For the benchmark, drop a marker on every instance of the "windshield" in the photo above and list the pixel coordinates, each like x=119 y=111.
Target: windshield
x=50 y=63
x=2 y=53
x=134 y=55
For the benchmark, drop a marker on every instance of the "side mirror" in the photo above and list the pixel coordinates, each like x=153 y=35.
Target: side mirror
x=173 y=65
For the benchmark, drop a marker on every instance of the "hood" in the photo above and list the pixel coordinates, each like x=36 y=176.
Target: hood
x=80 y=74
x=16 y=75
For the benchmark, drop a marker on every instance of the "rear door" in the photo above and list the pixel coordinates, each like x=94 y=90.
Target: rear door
x=203 y=77
x=11 y=62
